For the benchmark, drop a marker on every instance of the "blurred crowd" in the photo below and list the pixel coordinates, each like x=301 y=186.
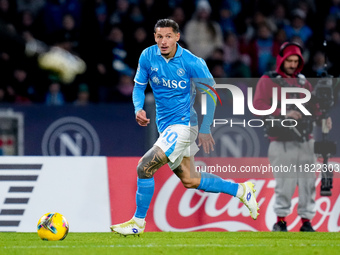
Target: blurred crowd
x=237 y=38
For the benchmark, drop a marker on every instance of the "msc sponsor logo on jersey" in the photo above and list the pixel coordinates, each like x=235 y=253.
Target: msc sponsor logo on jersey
x=172 y=84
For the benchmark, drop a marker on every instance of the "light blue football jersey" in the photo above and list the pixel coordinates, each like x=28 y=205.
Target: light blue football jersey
x=170 y=80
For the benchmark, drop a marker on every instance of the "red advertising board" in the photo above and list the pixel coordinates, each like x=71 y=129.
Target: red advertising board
x=174 y=208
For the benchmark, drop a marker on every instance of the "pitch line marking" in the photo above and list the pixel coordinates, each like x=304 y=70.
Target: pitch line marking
x=168 y=246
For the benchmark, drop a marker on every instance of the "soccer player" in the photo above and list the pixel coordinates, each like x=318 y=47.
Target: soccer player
x=170 y=70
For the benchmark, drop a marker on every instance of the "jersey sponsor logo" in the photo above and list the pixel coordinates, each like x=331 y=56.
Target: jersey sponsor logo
x=180 y=72
x=155 y=69
x=174 y=84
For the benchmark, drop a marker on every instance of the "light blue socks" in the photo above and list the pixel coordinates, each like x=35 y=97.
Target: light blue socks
x=215 y=184
x=209 y=183
x=145 y=189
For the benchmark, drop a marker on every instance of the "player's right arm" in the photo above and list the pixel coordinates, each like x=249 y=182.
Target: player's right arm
x=141 y=118
x=138 y=95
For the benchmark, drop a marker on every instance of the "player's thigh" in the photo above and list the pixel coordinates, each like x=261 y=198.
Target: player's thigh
x=178 y=141
x=187 y=174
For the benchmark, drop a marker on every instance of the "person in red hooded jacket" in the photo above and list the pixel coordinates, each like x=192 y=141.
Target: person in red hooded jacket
x=291 y=147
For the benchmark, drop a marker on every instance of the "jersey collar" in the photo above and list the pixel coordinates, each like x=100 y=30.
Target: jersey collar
x=178 y=53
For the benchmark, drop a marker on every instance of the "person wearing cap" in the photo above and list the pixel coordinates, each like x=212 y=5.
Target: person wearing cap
x=202 y=34
x=290 y=147
x=298 y=26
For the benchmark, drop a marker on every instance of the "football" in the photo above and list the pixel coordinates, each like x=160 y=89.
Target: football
x=52 y=227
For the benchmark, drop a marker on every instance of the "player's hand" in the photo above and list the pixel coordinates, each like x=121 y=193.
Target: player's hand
x=206 y=141
x=294 y=114
x=141 y=118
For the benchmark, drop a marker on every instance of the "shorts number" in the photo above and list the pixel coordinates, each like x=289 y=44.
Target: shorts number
x=170 y=137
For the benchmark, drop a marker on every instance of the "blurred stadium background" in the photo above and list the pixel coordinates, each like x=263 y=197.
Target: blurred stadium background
x=237 y=38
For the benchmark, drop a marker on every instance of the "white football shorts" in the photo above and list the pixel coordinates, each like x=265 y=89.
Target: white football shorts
x=178 y=141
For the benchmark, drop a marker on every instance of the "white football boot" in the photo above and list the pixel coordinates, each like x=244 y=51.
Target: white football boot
x=128 y=228
x=249 y=199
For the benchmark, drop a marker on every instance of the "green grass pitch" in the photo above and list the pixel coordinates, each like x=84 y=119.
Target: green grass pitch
x=174 y=243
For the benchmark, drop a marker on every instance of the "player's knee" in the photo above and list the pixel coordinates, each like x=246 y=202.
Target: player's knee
x=140 y=170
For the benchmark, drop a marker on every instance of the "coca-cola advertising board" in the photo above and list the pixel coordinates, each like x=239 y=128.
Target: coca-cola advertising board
x=174 y=208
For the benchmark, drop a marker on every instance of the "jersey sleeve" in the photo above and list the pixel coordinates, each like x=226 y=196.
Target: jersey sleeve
x=205 y=83
x=209 y=117
x=141 y=81
x=199 y=70
x=138 y=97
x=142 y=76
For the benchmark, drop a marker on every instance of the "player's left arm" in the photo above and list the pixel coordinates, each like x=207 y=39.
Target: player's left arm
x=205 y=85
x=205 y=138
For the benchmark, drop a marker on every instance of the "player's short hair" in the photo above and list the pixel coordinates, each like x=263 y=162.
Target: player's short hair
x=167 y=23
